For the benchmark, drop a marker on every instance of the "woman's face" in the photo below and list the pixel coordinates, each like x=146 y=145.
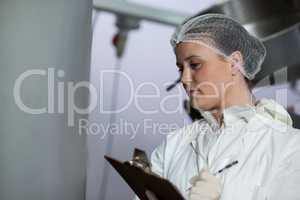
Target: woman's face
x=205 y=75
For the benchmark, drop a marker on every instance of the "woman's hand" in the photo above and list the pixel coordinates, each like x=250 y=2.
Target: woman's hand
x=205 y=187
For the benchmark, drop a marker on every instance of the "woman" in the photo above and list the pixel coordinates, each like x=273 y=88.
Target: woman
x=217 y=58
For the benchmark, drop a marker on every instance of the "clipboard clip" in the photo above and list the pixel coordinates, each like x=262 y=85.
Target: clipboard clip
x=146 y=184
x=140 y=160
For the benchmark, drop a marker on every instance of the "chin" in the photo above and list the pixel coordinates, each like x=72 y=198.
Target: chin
x=202 y=104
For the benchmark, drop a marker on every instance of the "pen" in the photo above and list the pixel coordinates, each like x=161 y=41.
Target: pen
x=221 y=170
x=226 y=167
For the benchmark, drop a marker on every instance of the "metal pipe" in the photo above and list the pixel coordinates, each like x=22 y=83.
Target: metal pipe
x=163 y=16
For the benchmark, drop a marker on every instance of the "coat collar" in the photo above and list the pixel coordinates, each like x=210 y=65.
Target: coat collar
x=266 y=109
x=230 y=115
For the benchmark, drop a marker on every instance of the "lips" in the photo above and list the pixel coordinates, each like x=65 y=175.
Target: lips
x=192 y=92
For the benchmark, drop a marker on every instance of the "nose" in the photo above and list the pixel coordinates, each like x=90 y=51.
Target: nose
x=186 y=77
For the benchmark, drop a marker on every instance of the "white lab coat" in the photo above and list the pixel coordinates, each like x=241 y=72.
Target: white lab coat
x=260 y=138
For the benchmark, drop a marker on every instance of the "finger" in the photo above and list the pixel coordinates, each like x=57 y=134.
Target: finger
x=194 y=179
x=206 y=176
x=204 y=188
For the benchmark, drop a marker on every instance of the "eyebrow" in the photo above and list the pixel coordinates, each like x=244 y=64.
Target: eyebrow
x=189 y=57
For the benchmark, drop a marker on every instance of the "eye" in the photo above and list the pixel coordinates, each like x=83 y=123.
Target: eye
x=195 y=65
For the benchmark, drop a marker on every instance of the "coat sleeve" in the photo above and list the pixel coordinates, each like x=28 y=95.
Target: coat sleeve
x=157 y=161
x=286 y=182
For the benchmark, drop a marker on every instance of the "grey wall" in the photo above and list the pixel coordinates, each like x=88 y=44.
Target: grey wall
x=41 y=157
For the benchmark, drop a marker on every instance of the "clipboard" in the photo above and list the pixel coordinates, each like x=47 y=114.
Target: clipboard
x=141 y=181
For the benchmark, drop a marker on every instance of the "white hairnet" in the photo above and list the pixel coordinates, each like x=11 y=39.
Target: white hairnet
x=224 y=35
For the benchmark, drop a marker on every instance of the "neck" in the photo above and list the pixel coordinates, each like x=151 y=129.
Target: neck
x=237 y=94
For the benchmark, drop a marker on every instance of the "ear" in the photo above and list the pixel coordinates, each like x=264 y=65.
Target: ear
x=237 y=62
